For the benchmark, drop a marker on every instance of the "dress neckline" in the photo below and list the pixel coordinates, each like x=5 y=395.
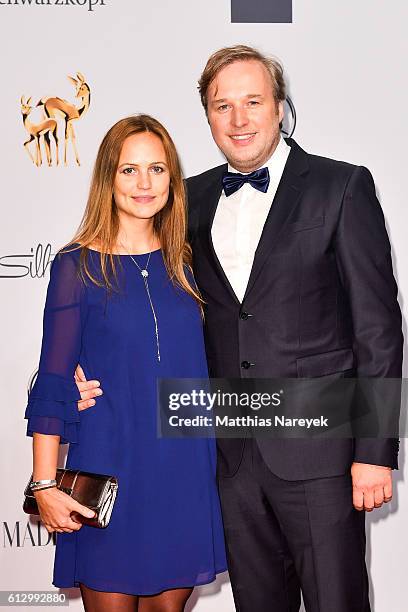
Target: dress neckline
x=128 y=254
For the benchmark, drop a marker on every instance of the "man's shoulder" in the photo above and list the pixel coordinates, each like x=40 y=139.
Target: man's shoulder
x=339 y=174
x=327 y=167
x=330 y=165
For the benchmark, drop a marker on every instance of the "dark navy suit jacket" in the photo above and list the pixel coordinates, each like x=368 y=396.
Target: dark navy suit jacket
x=322 y=296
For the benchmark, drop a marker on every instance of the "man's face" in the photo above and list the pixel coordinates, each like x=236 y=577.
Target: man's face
x=243 y=114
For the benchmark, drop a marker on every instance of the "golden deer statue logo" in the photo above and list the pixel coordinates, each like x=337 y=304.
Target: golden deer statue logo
x=56 y=109
x=45 y=128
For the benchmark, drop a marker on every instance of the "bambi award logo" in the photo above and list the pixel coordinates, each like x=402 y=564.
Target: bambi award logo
x=51 y=121
x=288 y=125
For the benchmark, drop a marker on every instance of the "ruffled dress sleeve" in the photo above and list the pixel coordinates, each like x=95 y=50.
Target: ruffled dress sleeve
x=52 y=404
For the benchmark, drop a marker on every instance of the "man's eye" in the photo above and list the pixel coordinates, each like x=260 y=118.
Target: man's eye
x=253 y=102
x=223 y=107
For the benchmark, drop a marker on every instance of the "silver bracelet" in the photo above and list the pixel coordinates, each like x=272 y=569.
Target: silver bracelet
x=45 y=482
x=43 y=487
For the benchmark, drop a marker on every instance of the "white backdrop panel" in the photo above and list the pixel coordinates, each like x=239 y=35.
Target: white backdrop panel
x=346 y=69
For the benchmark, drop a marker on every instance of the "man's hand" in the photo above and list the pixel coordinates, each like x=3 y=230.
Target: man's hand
x=87 y=388
x=372 y=485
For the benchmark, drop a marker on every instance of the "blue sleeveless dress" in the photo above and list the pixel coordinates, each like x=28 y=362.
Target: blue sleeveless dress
x=166 y=529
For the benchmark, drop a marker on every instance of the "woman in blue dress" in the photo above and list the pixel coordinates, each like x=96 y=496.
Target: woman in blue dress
x=122 y=302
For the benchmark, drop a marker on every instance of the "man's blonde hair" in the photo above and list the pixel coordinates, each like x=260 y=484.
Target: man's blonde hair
x=238 y=53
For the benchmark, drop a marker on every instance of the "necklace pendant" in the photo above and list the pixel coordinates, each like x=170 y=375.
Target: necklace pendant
x=145 y=273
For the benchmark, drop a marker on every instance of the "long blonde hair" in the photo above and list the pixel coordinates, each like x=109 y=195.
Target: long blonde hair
x=100 y=222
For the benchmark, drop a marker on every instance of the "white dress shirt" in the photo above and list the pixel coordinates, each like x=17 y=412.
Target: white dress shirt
x=239 y=221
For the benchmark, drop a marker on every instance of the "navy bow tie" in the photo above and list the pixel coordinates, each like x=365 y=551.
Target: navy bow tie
x=232 y=181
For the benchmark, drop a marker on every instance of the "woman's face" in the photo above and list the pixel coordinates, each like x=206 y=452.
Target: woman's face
x=142 y=180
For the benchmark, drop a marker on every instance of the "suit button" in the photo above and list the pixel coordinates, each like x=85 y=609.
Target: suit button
x=244 y=316
x=246 y=365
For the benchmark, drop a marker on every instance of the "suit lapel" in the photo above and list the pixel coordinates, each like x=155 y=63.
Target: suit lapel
x=208 y=206
x=286 y=199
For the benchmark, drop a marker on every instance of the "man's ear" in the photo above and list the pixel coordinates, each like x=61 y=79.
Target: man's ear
x=281 y=112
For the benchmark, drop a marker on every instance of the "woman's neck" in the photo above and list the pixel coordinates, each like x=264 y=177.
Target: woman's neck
x=140 y=239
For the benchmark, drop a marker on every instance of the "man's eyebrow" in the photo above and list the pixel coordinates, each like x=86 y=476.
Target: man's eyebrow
x=221 y=100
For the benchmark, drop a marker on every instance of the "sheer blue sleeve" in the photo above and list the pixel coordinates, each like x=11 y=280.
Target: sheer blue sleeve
x=52 y=405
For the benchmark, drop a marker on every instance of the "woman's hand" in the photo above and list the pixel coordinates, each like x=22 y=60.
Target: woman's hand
x=55 y=508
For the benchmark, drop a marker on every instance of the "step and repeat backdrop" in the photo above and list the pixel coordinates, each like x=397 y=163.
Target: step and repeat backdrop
x=88 y=63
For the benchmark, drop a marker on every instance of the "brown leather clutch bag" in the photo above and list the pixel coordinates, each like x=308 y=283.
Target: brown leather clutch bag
x=96 y=491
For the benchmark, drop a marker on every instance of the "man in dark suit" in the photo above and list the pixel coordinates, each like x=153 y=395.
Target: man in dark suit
x=293 y=260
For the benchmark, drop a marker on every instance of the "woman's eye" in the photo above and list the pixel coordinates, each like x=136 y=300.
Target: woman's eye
x=128 y=170
x=157 y=169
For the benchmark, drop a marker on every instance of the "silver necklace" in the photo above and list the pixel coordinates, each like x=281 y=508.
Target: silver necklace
x=145 y=274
